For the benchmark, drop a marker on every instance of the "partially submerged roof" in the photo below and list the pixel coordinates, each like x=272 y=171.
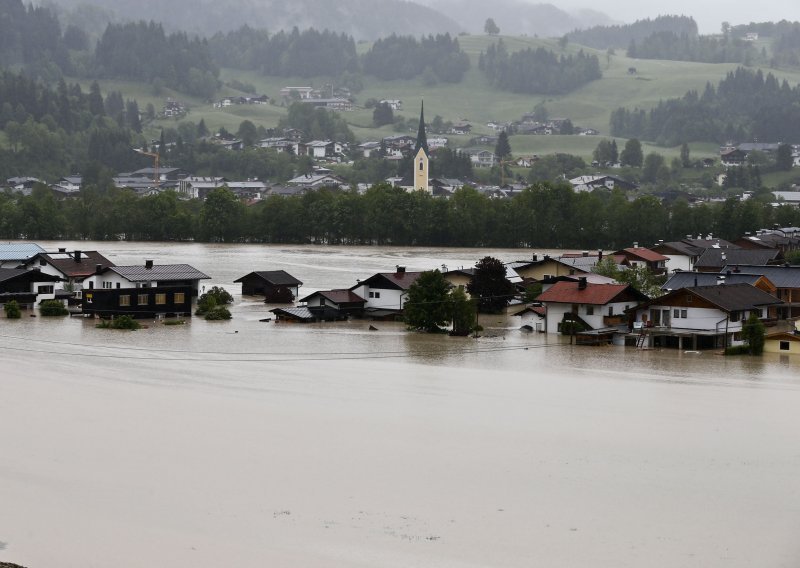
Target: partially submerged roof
x=274 y=277
x=337 y=296
x=159 y=272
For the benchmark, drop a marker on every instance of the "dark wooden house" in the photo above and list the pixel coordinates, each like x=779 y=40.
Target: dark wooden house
x=26 y=286
x=163 y=301
x=265 y=282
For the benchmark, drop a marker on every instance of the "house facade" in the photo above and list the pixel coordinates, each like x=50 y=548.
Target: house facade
x=265 y=282
x=386 y=290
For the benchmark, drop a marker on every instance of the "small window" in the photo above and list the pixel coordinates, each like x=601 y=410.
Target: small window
x=676 y=313
x=161 y=299
x=179 y=298
x=322 y=301
x=42 y=262
x=107 y=285
x=589 y=310
x=125 y=300
x=142 y=300
x=785 y=345
x=736 y=316
x=377 y=294
x=372 y=294
x=610 y=311
x=421 y=165
x=118 y=286
x=44 y=290
x=688 y=299
x=91 y=285
x=684 y=313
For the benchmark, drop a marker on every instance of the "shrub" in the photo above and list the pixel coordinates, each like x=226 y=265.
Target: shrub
x=174 y=322
x=737 y=350
x=216 y=296
x=218 y=313
x=120 y=322
x=52 y=308
x=279 y=295
x=12 y=310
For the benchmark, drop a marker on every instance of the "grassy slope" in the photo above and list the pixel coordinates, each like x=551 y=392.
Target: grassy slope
x=475 y=101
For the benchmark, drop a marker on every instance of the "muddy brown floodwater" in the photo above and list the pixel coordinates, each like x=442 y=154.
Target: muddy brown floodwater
x=253 y=444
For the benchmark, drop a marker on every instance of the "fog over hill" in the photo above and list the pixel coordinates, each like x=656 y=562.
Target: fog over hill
x=363 y=19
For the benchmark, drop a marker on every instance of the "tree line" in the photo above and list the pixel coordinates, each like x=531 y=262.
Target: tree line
x=542 y=216
x=621 y=36
x=684 y=47
x=745 y=105
x=537 y=71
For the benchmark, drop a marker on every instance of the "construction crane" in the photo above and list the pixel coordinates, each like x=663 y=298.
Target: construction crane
x=156 y=158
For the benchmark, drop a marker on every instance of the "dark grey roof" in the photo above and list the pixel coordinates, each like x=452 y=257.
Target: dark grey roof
x=717 y=258
x=691 y=279
x=781 y=276
x=710 y=243
x=680 y=247
x=31 y=275
x=274 y=277
x=159 y=272
x=735 y=297
x=301 y=312
x=19 y=251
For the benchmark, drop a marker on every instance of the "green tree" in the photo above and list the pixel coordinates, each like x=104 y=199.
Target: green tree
x=685 y=157
x=632 y=154
x=247 y=133
x=605 y=152
x=753 y=334
x=783 y=158
x=503 y=148
x=12 y=310
x=221 y=216
x=462 y=312
x=382 y=115
x=490 y=285
x=490 y=27
x=427 y=307
x=652 y=164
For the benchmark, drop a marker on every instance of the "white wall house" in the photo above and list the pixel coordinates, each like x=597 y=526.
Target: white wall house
x=147 y=275
x=386 y=290
x=72 y=267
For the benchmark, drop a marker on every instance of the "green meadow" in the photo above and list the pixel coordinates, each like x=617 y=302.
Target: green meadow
x=472 y=100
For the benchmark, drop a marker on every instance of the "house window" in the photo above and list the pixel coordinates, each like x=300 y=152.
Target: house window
x=161 y=299
x=684 y=313
x=118 y=286
x=125 y=300
x=688 y=299
x=141 y=300
x=372 y=294
x=179 y=298
x=377 y=294
x=737 y=336
x=589 y=310
x=736 y=316
x=759 y=313
x=610 y=311
x=785 y=345
x=91 y=285
x=322 y=301
x=676 y=313
x=107 y=284
x=44 y=289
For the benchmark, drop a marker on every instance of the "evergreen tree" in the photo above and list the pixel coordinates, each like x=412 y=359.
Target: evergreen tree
x=632 y=154
x=503 y=148
x=490 y=285
x=427 y=307
x=685 y=157
x=783 y=158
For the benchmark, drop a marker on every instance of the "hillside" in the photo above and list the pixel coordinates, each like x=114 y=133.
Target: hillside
x=362 y=19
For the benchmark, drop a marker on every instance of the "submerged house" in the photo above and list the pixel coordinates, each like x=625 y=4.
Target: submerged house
x=26 y=287
x=147 y=290
x=385 y=293
x=703 y=317
x=71 y=267
x=266 y=282
x=345 y=302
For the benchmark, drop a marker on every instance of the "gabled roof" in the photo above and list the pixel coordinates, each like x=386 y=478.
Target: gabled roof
x=594 y=294
x=65 y=262
x=19 y=251
x=274 y=277
x=728 y=298
x=337 y=296
x=710 y=243
x=390 y=280
x=680 y=247
x=780 y=276
x=159 y=272
x=7 y=274
x=681 y=279
x=717 y=258
x=643 y=253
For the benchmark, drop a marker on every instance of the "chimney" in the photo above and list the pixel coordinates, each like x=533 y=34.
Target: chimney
x=77 y=256
x=582 y=283
x=401 y=269
x=547 y=257
x=720 y=280
x=98 y=268
x=635 y=244
x=148 y=264
x=535 y=257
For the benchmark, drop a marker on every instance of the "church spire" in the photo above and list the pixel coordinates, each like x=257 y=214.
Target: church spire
x=422 y=139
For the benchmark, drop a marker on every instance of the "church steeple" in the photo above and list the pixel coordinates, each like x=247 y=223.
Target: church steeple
x=422 y=139
x=421 y=156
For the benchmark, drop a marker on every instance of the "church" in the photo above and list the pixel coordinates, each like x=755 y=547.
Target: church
x=419 y=178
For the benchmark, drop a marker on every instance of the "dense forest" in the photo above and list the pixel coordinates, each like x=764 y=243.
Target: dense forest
x=544 y=215
x=537 y=71
x=685 y=47
x=621 y=36
x=31 y=38
x=308 y=53
x=397 y=57
x=141 y=51
x=746 y=105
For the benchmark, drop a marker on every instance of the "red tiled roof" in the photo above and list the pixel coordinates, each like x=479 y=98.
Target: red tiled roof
x=645 y=254
x=569 y=293
x=337 y=296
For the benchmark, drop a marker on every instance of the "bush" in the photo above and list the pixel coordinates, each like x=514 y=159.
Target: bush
x=218 y=313
x=12 y=310
x=52 y=308
x=279 y=295
x=120 y=322
x=737 y=350
x=216 y=296
x=174 y=322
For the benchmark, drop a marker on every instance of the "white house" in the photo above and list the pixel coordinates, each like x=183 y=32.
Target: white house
x=72 y=267
x=147 y=275
x=599 y=306
x=386 y=290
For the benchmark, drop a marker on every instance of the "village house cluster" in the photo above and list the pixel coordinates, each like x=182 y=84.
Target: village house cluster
x=710 y=288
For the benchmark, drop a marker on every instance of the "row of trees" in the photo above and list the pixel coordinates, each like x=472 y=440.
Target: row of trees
x=544 y=215
x=621 y=36
x=746 y=105
x=537 y=71
x=684 y=47
x=405 y=57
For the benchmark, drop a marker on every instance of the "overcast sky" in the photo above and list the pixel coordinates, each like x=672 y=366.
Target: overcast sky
x=708 y=14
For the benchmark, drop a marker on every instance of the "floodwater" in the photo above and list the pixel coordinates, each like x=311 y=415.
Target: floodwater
x=247 y=443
